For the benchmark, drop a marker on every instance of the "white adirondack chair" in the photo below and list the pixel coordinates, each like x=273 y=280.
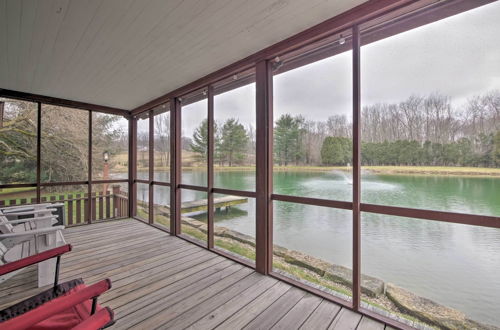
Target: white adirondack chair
x=13 y=212
x=23 y=237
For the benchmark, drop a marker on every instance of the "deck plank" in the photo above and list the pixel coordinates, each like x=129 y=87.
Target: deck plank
x=370 y=324
x=161 y=281
x=245 y=315
x=299 y=313
x=221 y=313
x=189 y=316
x=177 y=309
x=322 y=316
x=345 y=320
x=159 y=300
x=276 y=311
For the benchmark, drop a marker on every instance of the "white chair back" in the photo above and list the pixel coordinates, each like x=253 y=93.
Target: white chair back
x=5 y=226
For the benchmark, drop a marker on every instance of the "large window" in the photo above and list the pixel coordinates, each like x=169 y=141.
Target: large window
x=312 y=157
x=65 y=144
x=109 y=147
x=234 y=165
x=142 y=200
x=18 y=145
x=439 y=271
x=18 y=150
x=234 y=132
x=194 y=206
x=161 y=209
x=194 y=140
x=313 y=245
x=64 y=159
x=143 y=162
x=162 y=143
x=161 y=156
x=430 y=134
x=426 y=142
x=313 y=125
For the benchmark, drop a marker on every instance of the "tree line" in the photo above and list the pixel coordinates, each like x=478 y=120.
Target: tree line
x=421 y=130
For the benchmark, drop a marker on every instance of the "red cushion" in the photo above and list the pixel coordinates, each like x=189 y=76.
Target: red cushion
x=70 y=317
x=64 y=312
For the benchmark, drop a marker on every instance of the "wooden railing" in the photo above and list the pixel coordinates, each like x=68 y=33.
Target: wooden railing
x=104 y=206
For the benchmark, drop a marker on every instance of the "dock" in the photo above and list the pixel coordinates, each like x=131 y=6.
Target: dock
x=201 y=205
x=219 y=203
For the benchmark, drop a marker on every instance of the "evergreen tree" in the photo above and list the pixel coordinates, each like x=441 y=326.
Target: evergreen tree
x=287 y=146
x=233 y=141
x=336 y=150
x=199 y=144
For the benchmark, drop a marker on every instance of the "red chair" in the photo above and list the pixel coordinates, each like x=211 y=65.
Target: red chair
x=69 y=305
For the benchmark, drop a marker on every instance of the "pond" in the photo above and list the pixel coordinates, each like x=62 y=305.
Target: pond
x=455 y=265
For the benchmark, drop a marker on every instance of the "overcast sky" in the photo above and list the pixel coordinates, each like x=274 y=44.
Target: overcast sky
x=458 y=57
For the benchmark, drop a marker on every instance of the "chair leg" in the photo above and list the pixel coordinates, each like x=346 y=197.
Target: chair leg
x=56 y=277
x=94 y=305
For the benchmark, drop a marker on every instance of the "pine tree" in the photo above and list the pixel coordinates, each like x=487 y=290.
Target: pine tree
x=199 y=144
x=233 y=141
x=287 y=133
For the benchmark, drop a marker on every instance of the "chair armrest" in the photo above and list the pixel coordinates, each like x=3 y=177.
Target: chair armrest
x=55 y=306
x=49 y=217
x=34 y=206
x=24 y=206
x=28 y=261
x=97 y=321
x=38 y=231
x=29 y=212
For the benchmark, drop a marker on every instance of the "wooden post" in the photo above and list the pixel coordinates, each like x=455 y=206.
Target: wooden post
x=78 y=208
x=356 y=173
x=108 y=205
x=132 y=187
x=91 y=203
x=151 y=167
x=101 y=205
x=70 y=209
x=93 y=209
x=210 y=169
x=86 y=208
x=175 y=227
x=116 y=202
x=263 y=239
x=38 y=151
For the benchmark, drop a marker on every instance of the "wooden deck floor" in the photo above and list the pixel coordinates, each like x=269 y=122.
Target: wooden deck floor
x=160 y=281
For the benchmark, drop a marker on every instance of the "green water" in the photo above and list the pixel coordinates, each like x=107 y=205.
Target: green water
x=455 y=265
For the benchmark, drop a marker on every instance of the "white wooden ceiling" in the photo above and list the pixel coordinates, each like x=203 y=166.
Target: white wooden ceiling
x=123 y=53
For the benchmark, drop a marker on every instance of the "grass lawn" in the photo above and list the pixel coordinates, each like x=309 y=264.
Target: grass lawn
x=27 y=191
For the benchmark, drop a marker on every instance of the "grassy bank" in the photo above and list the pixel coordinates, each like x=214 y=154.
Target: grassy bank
x=434 y=170
x=414 y=170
